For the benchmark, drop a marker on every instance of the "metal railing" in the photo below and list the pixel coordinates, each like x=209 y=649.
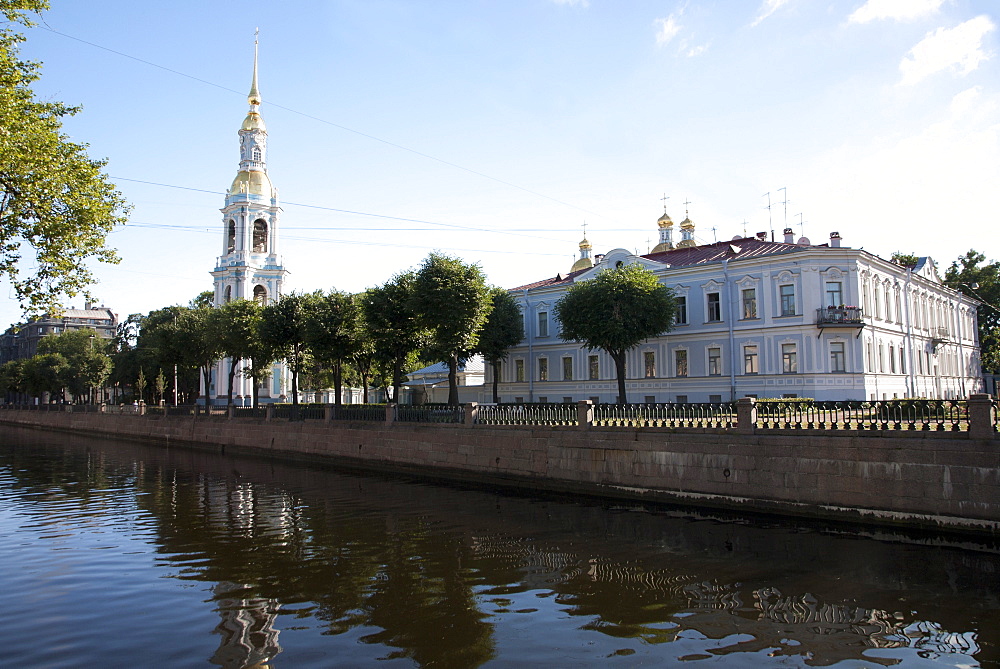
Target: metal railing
x=429 y=413
x=527 y=414
x=697 y=415
x=361 y=412
x=839 y=316
x=907 y=414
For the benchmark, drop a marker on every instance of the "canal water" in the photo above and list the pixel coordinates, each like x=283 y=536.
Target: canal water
x=123 y=554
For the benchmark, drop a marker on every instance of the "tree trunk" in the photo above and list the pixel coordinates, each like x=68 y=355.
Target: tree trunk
x=232 y=374
x=453 y=380
x=496 y=382
x=364 y=386
x=397 y=380
x=619 y=358
x=295 y=386
x=338 y=384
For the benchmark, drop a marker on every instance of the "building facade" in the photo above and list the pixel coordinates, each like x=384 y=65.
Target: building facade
x=21 y=341
x=762 y=319
x=250 y=266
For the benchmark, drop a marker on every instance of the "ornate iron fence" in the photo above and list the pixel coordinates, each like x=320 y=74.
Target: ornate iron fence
x=906 y=414
x=365 y=412
x=527 y=414
x=429 y=413
x=706 y=415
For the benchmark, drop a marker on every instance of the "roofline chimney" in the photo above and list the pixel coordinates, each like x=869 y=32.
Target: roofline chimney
x=835 y=240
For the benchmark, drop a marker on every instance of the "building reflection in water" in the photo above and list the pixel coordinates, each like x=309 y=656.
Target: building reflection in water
x=249 y=639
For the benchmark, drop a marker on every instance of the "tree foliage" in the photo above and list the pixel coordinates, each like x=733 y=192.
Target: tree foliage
x=972 y=275
x=616 y=311
x=392 y=327
x=331 y=331
x=283 y=329
x=87 y=363
x=55 y=202
x=451 y=301
x=503 y=329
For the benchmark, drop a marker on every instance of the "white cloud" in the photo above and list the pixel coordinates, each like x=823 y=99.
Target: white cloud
x=959 y=48
x=769 y=7
x=696 y=50
x=898 y=10
x=573 y=3
x=667 y=29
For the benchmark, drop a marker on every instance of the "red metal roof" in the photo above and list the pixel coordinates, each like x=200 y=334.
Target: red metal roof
x=738 y=249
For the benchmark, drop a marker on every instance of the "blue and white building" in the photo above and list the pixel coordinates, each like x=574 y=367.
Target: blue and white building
x=763 y=319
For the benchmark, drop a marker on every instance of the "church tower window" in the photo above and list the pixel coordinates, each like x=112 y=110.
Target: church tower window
x=260 y=294
x=231 y=237
x=229 y=295
x=259 y=236
x=256 y=154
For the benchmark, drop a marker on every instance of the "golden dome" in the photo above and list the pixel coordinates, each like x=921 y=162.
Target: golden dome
x=585 y=244
x=663 y=246
x=664 y=221
x=253 y=121
x=687 y=223
x=582 y=263
x=251 y=182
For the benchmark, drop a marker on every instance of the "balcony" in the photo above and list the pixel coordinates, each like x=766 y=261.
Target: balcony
x=939 y=336
x=839 y=317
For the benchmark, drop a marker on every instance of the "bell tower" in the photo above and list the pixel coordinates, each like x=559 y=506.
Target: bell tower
x=250 y=267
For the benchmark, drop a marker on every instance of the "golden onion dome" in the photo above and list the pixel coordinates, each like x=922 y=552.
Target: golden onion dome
x=253 y=121
x=582 y=263
x=687 y=223
x=663 y=246
x=251 y=182
x=664 y=221
x=585 y=245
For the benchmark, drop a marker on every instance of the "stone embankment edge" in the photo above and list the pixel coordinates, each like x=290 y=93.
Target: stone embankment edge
x=936 y=481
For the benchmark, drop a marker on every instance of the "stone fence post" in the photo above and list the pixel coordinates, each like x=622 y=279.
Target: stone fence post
x=746 y=416
x=142 y=408
x=269 y=413
x=230 y=412
x=471 y=413
x=980 y=406
x=585 y=414
x=390 y=412
x=328 y=413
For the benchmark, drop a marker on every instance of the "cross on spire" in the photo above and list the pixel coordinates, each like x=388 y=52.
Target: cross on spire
x=665 y=198
x=686 y=203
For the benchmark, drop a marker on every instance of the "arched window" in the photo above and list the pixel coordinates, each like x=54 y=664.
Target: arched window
x=228 y=295
x=231 y=243
x=260 y=294
x=256 y=154
x=259 y=236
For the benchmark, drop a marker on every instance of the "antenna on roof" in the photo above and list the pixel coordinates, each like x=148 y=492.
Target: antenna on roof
x=715 y=237
x=785 y=203
x=802 y=228
x=648 y=247
x=769 y=223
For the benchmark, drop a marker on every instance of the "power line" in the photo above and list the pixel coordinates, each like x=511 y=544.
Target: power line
x=324 y=121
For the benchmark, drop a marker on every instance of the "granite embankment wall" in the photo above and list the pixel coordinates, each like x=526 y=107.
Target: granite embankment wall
x=937 y=480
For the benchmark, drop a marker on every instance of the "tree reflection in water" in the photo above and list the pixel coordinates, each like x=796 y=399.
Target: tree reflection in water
x=439 y=576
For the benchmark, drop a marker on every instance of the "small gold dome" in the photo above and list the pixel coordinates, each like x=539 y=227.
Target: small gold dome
x=687 y=223
x=582 y=263
x=664 y=221
x=251 y=182
x=585 y=245
x=253 y=121
x=663 y=246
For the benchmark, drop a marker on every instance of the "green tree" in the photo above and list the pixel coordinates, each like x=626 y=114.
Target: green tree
x=12 y=376
x=973 y=276
x=451 y=302
x=616 y=311
x=283 y=329
x=196 y=329
x=45 y=373
x=392 y=327
x=140 y=384
x=237 y=327
x=905 y=259
x=160 y=383
x=88 y=364
x=503 y=329
x=331 y=331
x=53 y=197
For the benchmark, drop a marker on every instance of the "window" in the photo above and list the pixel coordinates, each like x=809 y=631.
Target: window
x=682 y=399
x=892 y=359
x=567 y=400
x=789 y=359
x=888 y=304
x=749 y=301
x=595 y=400
x=714 y=312
x=594 y=368
x=681 y=362
x=837 y=357
x=881 y=359
x=750 y=361
x=543 y=324
x=518 y=400
x=650 y=399
x=715 y=399
x=256 y=154
x=714 y=361
x=519 y=370
x=878 y=303
x=231 y=237
x=544 y=400
x=543 y=369
x=229 y=294
x=681 y=317
x=902 y=361
x=649 y=362
x=567 y=369
x=787 y=293
x=259 y=236
x=834 y=293
x=260 y=294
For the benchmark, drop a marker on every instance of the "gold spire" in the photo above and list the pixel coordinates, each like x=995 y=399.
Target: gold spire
x=584 y=261
x=254 y=97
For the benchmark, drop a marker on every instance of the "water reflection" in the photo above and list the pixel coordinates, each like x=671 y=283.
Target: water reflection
x=349 y=570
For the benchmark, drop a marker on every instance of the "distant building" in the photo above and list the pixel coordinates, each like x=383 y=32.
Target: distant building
x=430 y=384
x=21 y=341
x=760 y=318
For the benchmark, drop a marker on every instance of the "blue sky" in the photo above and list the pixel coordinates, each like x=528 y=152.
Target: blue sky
x=494 y=130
